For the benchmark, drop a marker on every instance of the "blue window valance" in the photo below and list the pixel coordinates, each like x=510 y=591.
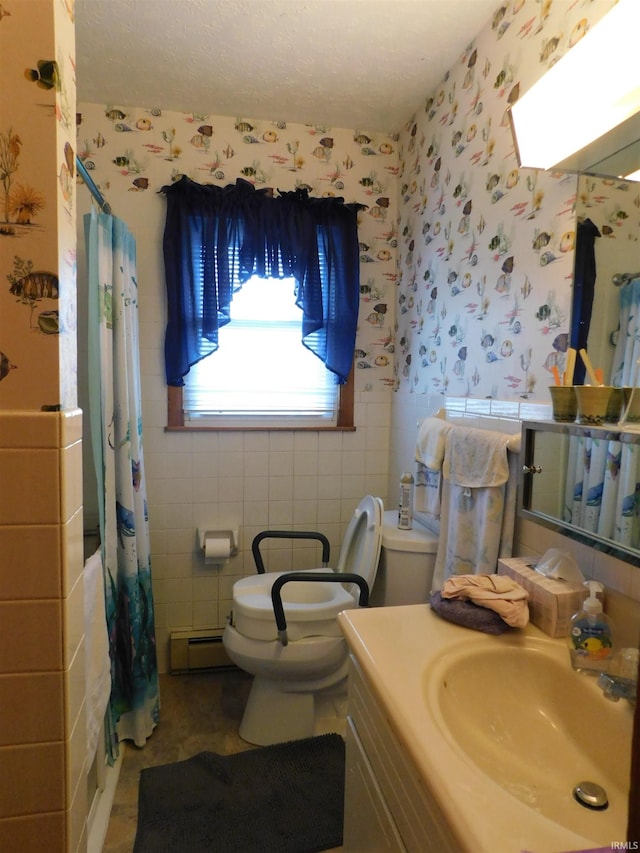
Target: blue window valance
x=216 y=238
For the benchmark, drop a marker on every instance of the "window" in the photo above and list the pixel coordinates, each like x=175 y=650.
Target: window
x=261 y=374
x=216 y=240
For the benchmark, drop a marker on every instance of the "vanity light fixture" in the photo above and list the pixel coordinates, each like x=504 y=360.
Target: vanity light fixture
x=587 y=106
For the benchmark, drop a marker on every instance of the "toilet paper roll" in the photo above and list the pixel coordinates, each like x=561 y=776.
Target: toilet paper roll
x=216 y=550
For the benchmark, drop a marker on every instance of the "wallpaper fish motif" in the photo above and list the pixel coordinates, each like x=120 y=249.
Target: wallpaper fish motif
x=485 y=255
x=466 y=260
x=131 y=152
x=37 y=223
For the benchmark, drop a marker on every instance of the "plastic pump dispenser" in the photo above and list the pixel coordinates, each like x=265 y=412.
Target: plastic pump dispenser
x=591 y=644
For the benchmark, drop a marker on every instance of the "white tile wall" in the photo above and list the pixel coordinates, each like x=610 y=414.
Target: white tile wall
x=251 y=480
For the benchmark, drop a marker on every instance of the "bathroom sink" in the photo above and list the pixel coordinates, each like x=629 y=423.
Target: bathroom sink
x=519 y=713
x=499 y=729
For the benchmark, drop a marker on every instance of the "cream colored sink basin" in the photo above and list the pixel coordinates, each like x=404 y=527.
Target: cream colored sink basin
x=534 y=726
x=499 y=729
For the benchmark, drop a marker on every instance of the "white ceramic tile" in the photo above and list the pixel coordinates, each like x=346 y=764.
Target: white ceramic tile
x=70 y=426
x=181 y=441
x=353 y=487
x=305 y=442
x=179 y=515
x=280 y=488
x=205 y=442
x=328 y=513
x=305 y=462
x=177 y=465
x=305 y=513
x=256 y=513
x=353 y=463
x=281 y=442
x=205 y=466
x=231 y=442
x=255 y=489
x=376 y=484
x=206 y=588
x=305 y=488
x=231 y=489
x=181 y=541
x=180 y=615
x=330 y=441
x=205 y=614
x=377 y=439
x=179 y=590
x=280 y=513
x=329 y=488
x=281 y=463
x=256 y=442
x=207 y=514
x=256 y=464
x=377 y=415
x=181 y=565
x=330 y=463
x=73 y=615
x=75 y=687
x=230 y=463
x=154 y=412
x=225 y=589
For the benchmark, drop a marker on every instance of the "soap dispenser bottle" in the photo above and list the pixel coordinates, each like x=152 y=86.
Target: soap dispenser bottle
x=590 y=635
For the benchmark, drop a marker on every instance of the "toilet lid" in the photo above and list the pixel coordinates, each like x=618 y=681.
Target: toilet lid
x=360 y=550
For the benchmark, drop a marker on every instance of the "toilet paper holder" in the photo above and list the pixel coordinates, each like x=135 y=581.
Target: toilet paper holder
x=205 y=533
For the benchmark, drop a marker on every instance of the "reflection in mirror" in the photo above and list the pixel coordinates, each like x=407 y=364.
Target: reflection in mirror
x=613 y=206
x=588 y=484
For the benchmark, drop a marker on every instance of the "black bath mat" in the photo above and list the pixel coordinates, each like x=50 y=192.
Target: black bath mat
x=286 y=798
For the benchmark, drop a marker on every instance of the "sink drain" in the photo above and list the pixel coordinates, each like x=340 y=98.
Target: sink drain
x=591 y=795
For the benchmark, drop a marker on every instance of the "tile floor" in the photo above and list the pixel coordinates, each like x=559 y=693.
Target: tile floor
x=199 y=711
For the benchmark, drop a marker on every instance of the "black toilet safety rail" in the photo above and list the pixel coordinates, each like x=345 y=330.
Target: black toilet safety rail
x=330 y=577
x=288 y=534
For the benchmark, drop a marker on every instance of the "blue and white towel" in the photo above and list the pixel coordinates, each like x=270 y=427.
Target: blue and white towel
x=478 y=503
x=430 y=446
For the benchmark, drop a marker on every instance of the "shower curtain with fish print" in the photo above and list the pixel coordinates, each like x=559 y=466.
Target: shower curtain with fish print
x=116 y=435
x=602 y=487
x=624 y=369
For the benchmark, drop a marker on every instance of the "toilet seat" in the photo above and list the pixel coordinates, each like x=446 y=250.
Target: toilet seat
x=311 y=608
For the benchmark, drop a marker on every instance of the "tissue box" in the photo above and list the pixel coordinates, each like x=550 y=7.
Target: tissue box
x=552 y=602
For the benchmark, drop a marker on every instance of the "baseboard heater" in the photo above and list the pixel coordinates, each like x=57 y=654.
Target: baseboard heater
x=193 y=650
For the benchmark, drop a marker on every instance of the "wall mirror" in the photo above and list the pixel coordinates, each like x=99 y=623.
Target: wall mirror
x=549 y=497
x=584 y=482
x=612 y=205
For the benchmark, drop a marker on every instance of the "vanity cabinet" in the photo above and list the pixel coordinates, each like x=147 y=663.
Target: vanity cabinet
x=388 y=807
x=583 y=481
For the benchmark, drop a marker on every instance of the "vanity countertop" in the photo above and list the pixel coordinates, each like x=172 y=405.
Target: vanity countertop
x=394 y=647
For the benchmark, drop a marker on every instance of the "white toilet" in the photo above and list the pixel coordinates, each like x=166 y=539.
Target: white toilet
x=407 y=563
x=299 y=689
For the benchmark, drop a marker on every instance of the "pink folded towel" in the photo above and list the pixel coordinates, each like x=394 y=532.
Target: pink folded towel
x=497 y=592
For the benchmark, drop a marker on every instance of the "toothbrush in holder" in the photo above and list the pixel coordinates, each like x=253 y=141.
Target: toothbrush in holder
x=591 y=373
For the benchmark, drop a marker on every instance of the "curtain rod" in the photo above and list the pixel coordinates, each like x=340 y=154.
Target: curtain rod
x=104 y=206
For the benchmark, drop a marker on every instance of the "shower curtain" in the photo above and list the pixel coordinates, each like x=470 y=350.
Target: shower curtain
x=602 y=489
x=628 y=345
x=116 y=435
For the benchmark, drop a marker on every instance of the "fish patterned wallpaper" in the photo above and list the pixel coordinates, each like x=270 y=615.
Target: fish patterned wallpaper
x=131 y=153
x=37 y=217
x=466 y=261
x=486 y=250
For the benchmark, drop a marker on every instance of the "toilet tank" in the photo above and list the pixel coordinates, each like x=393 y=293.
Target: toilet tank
x=407 y=561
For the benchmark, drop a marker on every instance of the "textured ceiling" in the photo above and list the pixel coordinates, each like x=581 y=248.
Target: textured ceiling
x=341 y=63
